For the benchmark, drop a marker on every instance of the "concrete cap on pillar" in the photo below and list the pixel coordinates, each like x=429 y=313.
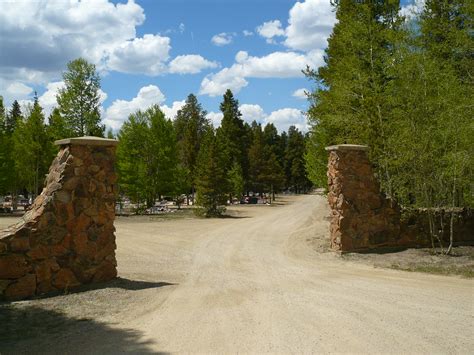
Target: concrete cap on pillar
x=346 y=147
x=87 y=140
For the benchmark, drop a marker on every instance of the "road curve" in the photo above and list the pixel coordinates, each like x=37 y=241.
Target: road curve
x=254 y=285
x=249 y=284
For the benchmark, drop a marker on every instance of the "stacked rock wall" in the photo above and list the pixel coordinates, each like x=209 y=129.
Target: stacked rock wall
x=67 y=237
x=364 y=219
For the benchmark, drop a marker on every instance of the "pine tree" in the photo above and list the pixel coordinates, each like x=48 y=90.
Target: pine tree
x=79 y=100
x=294 y=158
x=190 y=125
x=231 y=135
x=211 y=179
x=12 y=119
x=350 y=105
x=56 y=126
x=32 y=149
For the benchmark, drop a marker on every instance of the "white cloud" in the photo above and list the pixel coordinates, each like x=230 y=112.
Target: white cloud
x=14 y=90
x=310 y=24
x=222 y=39
x=182 y=27
x=286 y=117
x=48 y=99
x=145 y=55
x=215 y=118
x=118 y=112
x=247 y=33
x=270 y=29
x=412 y=10
x=274 y=65
x=171 y=112
x=190 y=64
x=52 y=33
x=217 y=84
x=252 y=113
x=300 y=93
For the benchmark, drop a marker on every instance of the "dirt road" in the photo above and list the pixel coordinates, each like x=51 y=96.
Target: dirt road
x=251 y=283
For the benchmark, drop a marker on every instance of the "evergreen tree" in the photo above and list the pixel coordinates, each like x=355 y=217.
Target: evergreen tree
x=8 y=123
x=265 y=172
x=350 y=104
x=32 y=149
x=236 y=180
x=79 y=100
x=446 y=34
x=231 y=135
x=12 y=119
x=211 y=177
x=190 y=125
x=294 y=158
x=56 y=126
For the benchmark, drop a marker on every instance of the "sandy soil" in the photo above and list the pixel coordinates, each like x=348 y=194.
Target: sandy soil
x=252 y=283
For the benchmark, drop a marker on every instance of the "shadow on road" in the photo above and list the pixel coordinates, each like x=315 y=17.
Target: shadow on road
x=26 y=328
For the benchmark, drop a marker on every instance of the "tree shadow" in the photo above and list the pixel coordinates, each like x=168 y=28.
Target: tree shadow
x=26 y=328
x=118 y=282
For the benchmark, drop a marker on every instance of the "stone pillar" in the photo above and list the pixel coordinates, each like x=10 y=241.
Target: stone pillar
x=362 y=218
x=67 y=237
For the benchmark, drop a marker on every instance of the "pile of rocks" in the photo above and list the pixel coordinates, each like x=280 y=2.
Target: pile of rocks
x=67 y=237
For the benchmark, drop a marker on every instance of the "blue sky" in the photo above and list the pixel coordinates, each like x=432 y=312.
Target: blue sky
x=157 y=52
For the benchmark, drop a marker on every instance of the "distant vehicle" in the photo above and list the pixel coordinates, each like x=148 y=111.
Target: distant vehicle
x=23 y=202
x=6 y=205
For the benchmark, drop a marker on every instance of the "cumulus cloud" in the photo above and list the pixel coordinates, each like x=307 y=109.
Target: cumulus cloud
x=310 y=24
x=247 y=33
x=300 y=93
x=55 y=32
x=146 y=55
x=252 y=113
x=282 y=118
x=217 y=84
x=118 y=112
x=274 y=65
x=270 y=29
x=190 y=64
x=171 y=112
x=286 y=117
x=222 y=39
x=215 y=118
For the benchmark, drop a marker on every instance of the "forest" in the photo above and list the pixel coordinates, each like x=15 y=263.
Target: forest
x=403 y=85
x=400 y=83
x=157 y=156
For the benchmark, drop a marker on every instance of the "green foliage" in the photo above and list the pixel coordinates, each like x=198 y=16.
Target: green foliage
x=406 y=91
x=146 y=157
x=190 y=125
x=211 y=179
x=236 y=180
x=79 y=100
x=231 y=134
x=32 y=149
x=265 y=171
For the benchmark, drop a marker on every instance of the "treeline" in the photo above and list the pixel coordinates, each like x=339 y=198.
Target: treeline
x=159 y=157
x=156 y=156
x=27 y=138
x=404 y=87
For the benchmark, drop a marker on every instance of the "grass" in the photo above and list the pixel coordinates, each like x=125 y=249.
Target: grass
x=465 y=271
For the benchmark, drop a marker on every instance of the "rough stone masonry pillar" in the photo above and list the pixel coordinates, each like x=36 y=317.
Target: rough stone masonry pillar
x=362 y=217
x=67 y=238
